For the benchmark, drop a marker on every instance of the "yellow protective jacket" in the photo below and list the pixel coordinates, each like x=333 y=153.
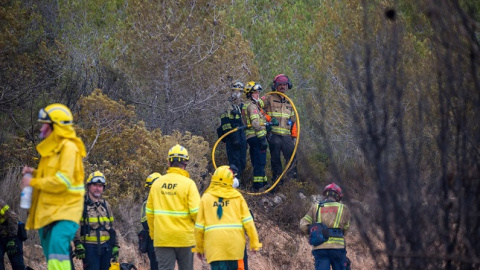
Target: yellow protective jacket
x=58 y=187
x=252 y=115
x=333 y=215
x=224 y=239
x=8 y=221
x=279 y=107
x=172 y=208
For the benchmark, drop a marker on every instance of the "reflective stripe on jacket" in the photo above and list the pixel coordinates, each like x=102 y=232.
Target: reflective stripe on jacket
x=58 y=187
x=232 y=118
x=172 y=208
x=8 y=220
x=251 y=114
x=280 y=108
x=333 y=215
x=224 y=239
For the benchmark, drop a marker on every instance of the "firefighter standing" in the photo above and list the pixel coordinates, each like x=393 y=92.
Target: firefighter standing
x=282 y=137
x=58 y=188
x=336 y=216
x=256 y=133
x=9 y=240
x=172 y=208
x=236 y=142
x=95 y=241
x=150 y=250
x=222 y=220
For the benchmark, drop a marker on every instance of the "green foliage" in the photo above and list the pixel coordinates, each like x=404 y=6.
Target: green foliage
x=121 y=146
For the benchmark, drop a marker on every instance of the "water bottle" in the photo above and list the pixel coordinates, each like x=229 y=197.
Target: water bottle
x=26 y=196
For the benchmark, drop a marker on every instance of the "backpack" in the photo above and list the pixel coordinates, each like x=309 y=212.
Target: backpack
x=318 y=231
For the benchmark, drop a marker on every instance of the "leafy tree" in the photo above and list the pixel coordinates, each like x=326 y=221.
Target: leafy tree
x=122 y=147
x=181 y=57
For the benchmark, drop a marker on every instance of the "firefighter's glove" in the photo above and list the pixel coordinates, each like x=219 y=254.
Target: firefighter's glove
x=263 y=143
x=268 y=126
x=274 y=122
x=79 y=250
x=115 y=253
x=12 y=247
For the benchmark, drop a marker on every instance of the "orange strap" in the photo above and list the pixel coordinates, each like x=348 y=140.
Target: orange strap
x=241 y=265
x=267 y=117
x=294 y=130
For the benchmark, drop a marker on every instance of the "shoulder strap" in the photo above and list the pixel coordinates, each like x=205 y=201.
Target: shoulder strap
x=104 y=204
x=318 y=209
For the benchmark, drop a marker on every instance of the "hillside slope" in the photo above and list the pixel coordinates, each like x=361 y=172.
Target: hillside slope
x=281 y=250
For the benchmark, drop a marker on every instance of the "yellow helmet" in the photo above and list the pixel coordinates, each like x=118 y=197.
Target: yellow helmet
x=151 y=178
x=96 y=177
x=224 y=175
x=56 y=113
x=252 y=86
x=178 y=153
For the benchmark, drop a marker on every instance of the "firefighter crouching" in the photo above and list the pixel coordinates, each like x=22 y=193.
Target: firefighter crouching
x=95 y=242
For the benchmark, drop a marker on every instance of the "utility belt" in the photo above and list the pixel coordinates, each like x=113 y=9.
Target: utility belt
x=335 y=232
x=103 y=237
x=97 y=236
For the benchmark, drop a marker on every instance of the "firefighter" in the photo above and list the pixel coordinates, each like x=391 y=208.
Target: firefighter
x=236 y=142
x=9 y=239
x=256 y=134
x=58 y=188
x=172 y=208
x=224 y=212
x=336 y=216
x=150 y=250
x=283 y=136
x=96 y=242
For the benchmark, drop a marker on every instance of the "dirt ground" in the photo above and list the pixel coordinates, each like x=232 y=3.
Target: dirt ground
x=281 y=250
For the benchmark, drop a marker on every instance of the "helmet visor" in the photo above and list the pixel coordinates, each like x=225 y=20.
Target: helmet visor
x=43 y=117
x=97 y=179
x=257 y=87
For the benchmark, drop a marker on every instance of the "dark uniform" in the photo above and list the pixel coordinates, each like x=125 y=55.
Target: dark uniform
x=97 y=235
x=9 y=240
x=236 y=142
x=252 y=115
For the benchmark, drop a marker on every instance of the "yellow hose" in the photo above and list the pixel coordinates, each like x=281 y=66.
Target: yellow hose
x=291 y=158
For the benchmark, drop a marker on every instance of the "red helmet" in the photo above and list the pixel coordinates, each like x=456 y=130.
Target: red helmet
x=281 y=79
x=336 y=190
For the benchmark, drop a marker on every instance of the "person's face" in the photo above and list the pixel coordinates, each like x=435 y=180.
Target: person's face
x=237 y=94
x=282 y=87
x=95 y=190
x=255 y=95
x=45 y=131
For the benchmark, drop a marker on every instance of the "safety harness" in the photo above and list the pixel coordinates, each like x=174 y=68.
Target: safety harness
x=335 y=231
x=102 y=221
